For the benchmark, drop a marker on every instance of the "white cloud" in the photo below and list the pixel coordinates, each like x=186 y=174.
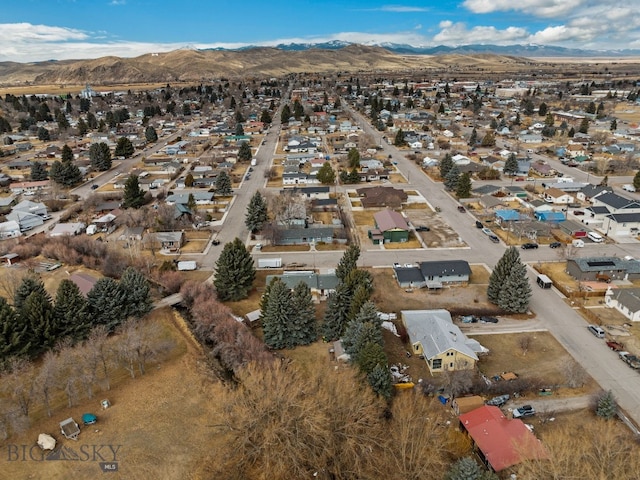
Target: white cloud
x=458 y=34
x=401 y=9
x=25 y=32
x=538 y=8
x=118 y=2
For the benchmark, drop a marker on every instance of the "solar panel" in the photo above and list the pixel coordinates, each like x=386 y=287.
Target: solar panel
x=601 y=263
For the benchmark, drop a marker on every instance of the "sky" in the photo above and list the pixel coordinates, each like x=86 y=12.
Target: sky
x=40 y=30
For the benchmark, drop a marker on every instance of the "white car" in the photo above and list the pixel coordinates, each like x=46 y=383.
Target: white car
x=629 y=188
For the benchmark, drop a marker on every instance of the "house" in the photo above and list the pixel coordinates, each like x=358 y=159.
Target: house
x=409 y=277
x=390 y=227
x=303 y=236
x=67 y=229
x=389 y=197
x=557 y=196
x=549 y=216
x=625 y=300
x=27 y=221
x=28 y=206
x=616 y=203
x=10 y=258
x=434 y=335
x=84 y=281
x=621 y=224
x=171 y=241
x=506 y=215
x=9 y=229
x=590 y=191
x=318 y=192
x=588 y=268
x=445 y=272
x=500 y=442
x=573 y=228
x=320 y=284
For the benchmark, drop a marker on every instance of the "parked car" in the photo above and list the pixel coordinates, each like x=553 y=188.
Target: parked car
x=461 y=209
x=422 y=228
x=524 y=411
x=215 y=242
x=478 y=224
x=498 y=401
x=529 y=246
x=555 y=245
x=615 y=346
x=578 y=212
x=494 y=239
x=94 y=186
x=469 y=319
x=597 y=331
x=486 y=319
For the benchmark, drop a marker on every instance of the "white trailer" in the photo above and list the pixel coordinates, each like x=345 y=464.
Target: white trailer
x=254 y=162
x=184 y=265
x=269 y=262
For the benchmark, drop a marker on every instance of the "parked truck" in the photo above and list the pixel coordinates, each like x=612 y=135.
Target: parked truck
x=269 y=262
x=631 y=360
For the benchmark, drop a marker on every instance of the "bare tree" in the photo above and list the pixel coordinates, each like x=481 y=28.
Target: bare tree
x=68 y=377
x=525 y=342
x=96 y=350
x=575 y=375
x=10 y=280
x=47 y=378
x=19 y=383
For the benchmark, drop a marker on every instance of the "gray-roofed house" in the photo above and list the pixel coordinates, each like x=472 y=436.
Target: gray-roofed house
x=616 y=203
x=489 y=202
x=446 y=271
x=320 y=284
x=302 y=236
x=390 y=227
x=587 y=268
x=621 y=224
x=625 y=300
x=171 y=241
x=37 y=208
x=434 y=336
x=409 y=277
x=26 y=220
x=590 y=191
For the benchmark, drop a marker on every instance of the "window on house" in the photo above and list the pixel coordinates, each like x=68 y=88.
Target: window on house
x=437 y=364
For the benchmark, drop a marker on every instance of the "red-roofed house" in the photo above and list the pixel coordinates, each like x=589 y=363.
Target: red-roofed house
x=84 y=281
x=501 y=442
x=390 y=227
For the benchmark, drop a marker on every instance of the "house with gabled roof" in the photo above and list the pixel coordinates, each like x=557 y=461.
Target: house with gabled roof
x=590 y=191
x=625 y=300
x=557 y=196
x=372 y=197
x=390 y=227
x=588 y=268
x=499 y=442
x=444 y=347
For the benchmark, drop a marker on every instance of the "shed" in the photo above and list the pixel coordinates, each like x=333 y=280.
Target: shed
x=466 y=404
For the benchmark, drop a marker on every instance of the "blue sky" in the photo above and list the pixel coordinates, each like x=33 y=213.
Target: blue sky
x=36 y=30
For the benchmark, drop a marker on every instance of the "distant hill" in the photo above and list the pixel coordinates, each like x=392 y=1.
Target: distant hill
x=191 y=65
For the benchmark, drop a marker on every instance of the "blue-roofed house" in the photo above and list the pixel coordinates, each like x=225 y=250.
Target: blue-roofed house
x=507 y=215
x=550 y=216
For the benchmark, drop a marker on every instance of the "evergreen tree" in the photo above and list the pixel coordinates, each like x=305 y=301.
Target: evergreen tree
x=511 y=165
x=636 y=181
x=606 y=406
x=66 y=173
x=265 y=117
x=399 y=140
x=516 y=292
x=326 y=175
x=353 y=158
x=223 y=184
x=235 y=272
x=571 y=133
x=445 y=165
x=37 y=313
x=133 y=196
x=239 y=131
x=380 y=380
x=43 y=134
x=100 y=156
x=286 y=114
x=473 y=139
x=14 y=336
x=298 y=110
x=277 y=316
x=244 y=152
x=370 y=355
x=124 y=148
x=303 y=323
x=614 y=125
x=463 y=190
x=150 y=134
x=584 y=126
x=501 y=272
x=489 y=140
x=358 y=278
x=467 y=469
x=67 y=153
x=542 y=109
x=452 y=178
x=337 y=312
x=348 y=262
x=359 y=298
x=106 y=303
x=82 y=127
x=136 y=292
x=71 y=311
x=28 y=285
x=39 y=171
x=256 y=215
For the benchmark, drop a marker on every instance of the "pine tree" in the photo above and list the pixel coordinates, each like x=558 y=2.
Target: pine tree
x=584 y=126
x=463 y=190
x=489 y=140
x=326 y=175
x=285 y=115
x=14 y=336
x=106 y=303
x=256 y=215
x=614 y=125
x=353 y=158
x=370 y=355
x=606 y=406
x=28 y=285
x=150 y=134
x=511 y=165
x=380 y=380
x=39 y=171
x=348 y=262
x=445 y=165
x=636 y=181
x=265 y=117
x=223 y=184
x=516 y=292
x=501 y=272
x=100 y=156
x=67 y=153
x=37 y=313
x=124 y=148
x=399 y=140
x=136 y=292
x=71 y=311
x=467 y=469
x=133 y=196
x=473 y=139
x=303 y=324
x=66 y=172
x=244 y=152
x=336 y=314
x=359 y=278
x=235 y=272
x=277 y=316
x=358 y=300
x=452 y=178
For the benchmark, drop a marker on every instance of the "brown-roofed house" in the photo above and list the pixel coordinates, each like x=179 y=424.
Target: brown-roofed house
x=381 y=197
x=84 y=281
x=390 y=227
